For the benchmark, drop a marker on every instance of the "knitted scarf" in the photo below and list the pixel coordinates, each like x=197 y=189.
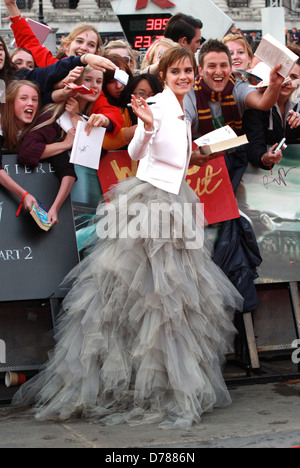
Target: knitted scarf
x=229 y=108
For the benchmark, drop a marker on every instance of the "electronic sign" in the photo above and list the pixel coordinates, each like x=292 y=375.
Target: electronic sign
x=142 y=30
x=215 y=22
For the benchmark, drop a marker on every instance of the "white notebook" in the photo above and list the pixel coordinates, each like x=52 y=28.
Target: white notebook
x=86 y=149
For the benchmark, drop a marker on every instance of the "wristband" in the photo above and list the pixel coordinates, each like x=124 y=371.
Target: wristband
x=14 y=19
x=83 y=58
x=266 y=164
x=22 y=203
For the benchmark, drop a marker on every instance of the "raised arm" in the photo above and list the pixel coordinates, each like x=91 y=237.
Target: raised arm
x=268 y=99
x=26 y=38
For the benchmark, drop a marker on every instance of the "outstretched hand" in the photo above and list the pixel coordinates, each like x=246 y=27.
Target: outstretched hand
x=98 y=63
x=276 y=80
x=12 y=8
x=143 y=111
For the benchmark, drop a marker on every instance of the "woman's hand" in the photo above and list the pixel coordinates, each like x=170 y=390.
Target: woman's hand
x=29 y=201
x=69 y=139
x=74 y=75
x=293 y=119
x=96 y=120
x=98 y=63
x=53 y=216
x=143 y=111
x=72 y=107
x=12 y=8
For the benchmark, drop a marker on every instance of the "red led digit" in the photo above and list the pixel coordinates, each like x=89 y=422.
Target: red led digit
x=138 y=42
x=158 y=24
x=147 y=41
x=150 y=24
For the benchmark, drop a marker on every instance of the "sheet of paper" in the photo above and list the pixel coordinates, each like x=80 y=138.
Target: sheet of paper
x=221 y=134
x=86 y=149
x=65 y=122
x=121 y=76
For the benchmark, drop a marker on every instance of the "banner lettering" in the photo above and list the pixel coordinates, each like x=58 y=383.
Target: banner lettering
x=211 y=183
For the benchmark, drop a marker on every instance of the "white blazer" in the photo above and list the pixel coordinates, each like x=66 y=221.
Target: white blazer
x=165 y=152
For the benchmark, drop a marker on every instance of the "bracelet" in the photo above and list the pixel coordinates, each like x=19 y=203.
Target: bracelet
x=14 y=19
x=83 y=58
x=266 y=164
x=22 y=203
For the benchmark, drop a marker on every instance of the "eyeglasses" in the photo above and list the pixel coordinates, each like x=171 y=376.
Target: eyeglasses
x=127 y=58
x=143 y=95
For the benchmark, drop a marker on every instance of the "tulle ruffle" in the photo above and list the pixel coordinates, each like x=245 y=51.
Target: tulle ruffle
x=145 y=327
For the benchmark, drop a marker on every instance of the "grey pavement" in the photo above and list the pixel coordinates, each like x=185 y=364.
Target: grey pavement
x=261 y=416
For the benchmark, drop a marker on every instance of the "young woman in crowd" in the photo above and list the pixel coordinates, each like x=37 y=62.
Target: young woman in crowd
x=7 y=68
x=48 y=77
x=84 y=39
x=265 y=129
x=113 y=88
x=144 y=86
x=22 y=104
x=154 y=53
x=148 y=319
x=124 y=49
x=20 y=114
x=240 y=51
x=22 y=58
x=47 y=140
x=84 y=103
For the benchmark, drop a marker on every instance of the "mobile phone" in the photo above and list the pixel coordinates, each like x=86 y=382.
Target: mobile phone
x=281 y=145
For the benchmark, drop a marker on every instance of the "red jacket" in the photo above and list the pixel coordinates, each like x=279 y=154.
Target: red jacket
x=26 y=38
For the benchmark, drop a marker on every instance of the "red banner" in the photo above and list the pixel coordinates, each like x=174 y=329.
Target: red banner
x=211 y=183
x=162 y=3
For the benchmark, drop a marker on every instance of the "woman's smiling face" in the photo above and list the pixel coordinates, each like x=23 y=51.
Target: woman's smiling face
x=84 y=43
x=180 y=77
x=93 y=79
x=239 y=56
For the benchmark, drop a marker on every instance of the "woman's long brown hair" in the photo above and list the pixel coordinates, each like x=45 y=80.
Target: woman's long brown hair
x=12 y=139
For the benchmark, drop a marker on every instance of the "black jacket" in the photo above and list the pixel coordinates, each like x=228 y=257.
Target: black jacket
x=236 y=251
x=265 y=128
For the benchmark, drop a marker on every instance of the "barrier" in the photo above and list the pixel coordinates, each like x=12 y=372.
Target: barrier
x=33 y=264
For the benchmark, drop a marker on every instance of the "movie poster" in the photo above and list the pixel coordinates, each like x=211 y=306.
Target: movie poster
x=272 y=202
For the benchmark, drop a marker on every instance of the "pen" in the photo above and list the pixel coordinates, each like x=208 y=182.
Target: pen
x=140 y=104
x=83 y=116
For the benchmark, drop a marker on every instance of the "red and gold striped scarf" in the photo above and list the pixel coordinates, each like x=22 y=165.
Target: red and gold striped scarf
x=229 y=108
